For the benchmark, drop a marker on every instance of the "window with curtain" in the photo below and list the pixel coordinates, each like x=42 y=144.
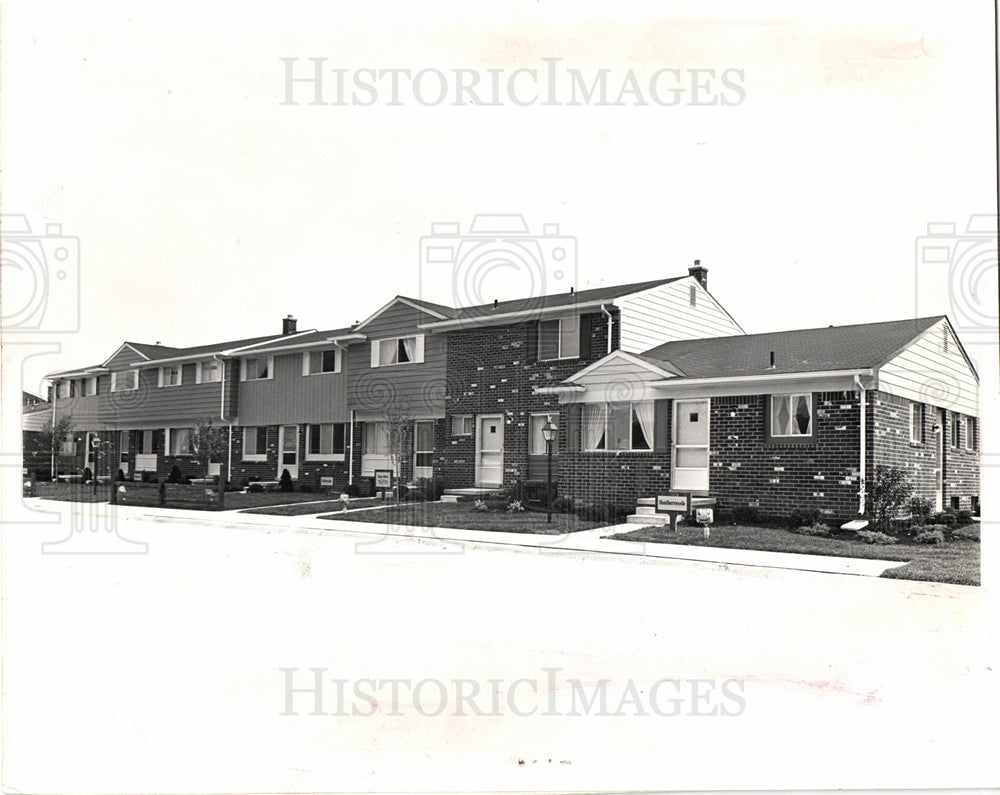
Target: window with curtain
x=423 y=447
x=257 y=368
x=327 y=439
x=124 y=380
x=255 y=442
x=180 y=441
x=209 y=371
x=618 y=426
x=461 y=425
x=397 y=350
x=791 y=415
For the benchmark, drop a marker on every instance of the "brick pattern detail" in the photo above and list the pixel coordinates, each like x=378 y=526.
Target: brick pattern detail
x=489 y=372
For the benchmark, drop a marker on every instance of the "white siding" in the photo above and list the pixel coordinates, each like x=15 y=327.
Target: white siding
x=615 y=380
x=664 y=314
x=926 y=374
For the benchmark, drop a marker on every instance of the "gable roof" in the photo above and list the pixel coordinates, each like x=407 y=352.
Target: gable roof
x=867 y=345
x=439 y=311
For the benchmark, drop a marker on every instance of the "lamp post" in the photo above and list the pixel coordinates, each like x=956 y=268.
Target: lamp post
x=549 y=431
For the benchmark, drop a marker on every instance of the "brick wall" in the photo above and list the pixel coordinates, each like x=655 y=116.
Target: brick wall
x=891 y=429
x=490 y=371
x=776 y=477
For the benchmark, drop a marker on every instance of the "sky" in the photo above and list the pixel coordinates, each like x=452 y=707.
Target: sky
x=208 y=202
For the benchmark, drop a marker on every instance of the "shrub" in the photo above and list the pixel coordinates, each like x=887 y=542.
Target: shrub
x=814 y=529
x=947 y=518
x=425 y=489
x=255 y=488
x=514 y=506
x=805 y=517
x=43 y=475
x=306 y=488
x=968 y=533
x=964 y=517
x=746 y=514
x=928 y=536
x=285 y=481
x=148 y=477
x=120 y=477
x=87 y=474
x=875 y=537
x=602 y=512
x=353 y=490
x=562 y=504
x=920 y=511
x=480 y=506
x=888 y=493
x=175 y=475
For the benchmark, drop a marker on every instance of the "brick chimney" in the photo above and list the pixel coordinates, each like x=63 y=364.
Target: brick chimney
x=288 y=325
x=700 y=273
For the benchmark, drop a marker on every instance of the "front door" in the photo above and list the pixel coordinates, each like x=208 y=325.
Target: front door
x=288 y=444
x=939 y=470
x=489 y=450
x=122 y=452
x=690 y=453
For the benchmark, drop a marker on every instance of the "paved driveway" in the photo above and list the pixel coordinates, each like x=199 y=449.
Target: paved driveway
x=450 y=666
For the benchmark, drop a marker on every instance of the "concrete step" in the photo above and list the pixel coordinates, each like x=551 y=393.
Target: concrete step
x=450 y=498
x=648 y=519
x=646 y=501
x=645 y=510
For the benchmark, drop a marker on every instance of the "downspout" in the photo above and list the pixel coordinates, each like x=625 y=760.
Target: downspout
x=52 y=450
x=862 y=392
x=222 y=418
x=610 y=321
x=350 y=454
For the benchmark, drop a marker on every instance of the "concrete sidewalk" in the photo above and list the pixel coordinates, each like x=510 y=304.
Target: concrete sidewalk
x=592 y=540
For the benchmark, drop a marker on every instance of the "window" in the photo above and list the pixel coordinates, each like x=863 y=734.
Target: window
x=179 y=441
x=461 y=425
x=791 y=415
x=255 y=443
x=559 y=339
x=90 y=386
x=917 y=423
x=62 y=389
x=149 y=442
x=208 y=372
x=124 y=380
x=956 y=424
x=321 y=362
x=376 y=438
x=970 y=433
x=170 y=376
x=257 y=369
x=536 y=440
x=398 y=350
x=327 y=440
x=618 y=426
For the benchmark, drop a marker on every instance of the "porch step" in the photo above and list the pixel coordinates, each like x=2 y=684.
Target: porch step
x=648 y=519
x=450 y=497
x=645 y=510
x=472 y=493
x=646 y=501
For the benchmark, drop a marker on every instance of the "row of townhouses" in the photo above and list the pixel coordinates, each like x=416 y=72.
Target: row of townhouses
x=654 y=387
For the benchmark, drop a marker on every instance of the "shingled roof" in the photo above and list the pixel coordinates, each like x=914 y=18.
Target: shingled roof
x=867 y=345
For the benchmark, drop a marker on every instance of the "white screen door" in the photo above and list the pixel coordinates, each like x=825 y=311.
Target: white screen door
x=489 y=450
x=288 y=444
x=690 y=453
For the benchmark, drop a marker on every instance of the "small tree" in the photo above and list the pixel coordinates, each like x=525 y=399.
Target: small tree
x=399 y=422
x=888 y=493
x=212 y=441
x=52 y=436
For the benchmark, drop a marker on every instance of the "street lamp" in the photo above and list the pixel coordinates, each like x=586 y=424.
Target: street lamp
x=549 y=431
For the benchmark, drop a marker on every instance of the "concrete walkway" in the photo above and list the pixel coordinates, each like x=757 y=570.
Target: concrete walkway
x=592 y=540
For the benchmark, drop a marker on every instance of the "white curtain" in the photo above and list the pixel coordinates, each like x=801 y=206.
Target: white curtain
x=644 y=412
x=410 y=346
x=593 y=424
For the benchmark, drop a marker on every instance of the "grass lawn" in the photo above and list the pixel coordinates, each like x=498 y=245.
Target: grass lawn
x=72 y=492
x=463 y=516
x=955 y=561
x=317 y=505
